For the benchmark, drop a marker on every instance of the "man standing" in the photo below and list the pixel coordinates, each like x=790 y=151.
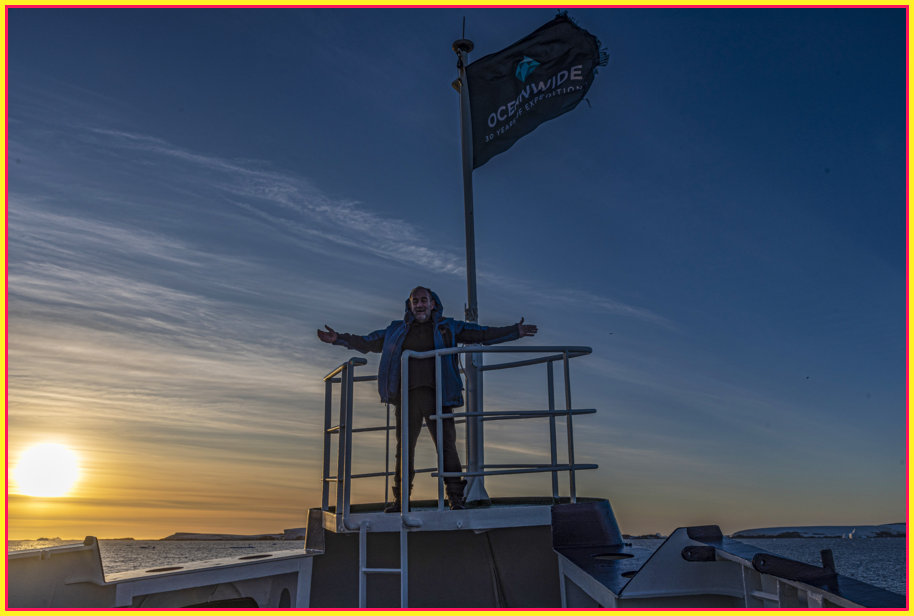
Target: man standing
x=424 y=328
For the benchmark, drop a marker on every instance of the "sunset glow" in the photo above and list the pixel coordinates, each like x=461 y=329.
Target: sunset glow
x=48 y=469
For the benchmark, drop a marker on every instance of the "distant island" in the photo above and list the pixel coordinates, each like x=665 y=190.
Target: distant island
x=898 y=529
x=289 y=534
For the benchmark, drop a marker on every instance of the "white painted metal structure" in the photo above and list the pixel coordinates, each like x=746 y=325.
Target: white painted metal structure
x=71 y=576
x=344 y=374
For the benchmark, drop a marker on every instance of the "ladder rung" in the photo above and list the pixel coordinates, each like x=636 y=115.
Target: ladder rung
x=381 y=571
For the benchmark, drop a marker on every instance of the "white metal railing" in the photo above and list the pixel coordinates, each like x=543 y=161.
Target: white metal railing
x=555 y=353
x=344 y=374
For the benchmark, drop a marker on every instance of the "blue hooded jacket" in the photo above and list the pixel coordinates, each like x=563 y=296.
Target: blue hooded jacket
x=447 y=333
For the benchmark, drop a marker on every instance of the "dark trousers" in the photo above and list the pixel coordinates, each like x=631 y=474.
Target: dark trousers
x=422 y=407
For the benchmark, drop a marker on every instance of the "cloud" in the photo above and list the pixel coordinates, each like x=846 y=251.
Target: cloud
x=296 y=205
x=566 y=299
x=313 y=220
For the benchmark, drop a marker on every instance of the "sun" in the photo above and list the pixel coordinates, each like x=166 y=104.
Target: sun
x=47 y=469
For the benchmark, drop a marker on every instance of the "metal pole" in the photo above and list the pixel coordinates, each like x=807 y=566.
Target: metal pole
x=462 y=47
x=404 y=476
x=341 y=441
x=347 y=380
x=439 y=432
x=404 y=565
x=328 y=414
x=363 y=564
x=550 y=389
x=387 y=455
x=570 y=429
x=475 y=490
x=404 y=432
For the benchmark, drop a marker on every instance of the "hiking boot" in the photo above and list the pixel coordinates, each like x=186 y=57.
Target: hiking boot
x=455 y=496
x=394 y=507
x=397 y=505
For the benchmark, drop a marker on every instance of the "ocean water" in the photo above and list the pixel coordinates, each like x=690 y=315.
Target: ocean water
x=880 y=562
x=127 y=555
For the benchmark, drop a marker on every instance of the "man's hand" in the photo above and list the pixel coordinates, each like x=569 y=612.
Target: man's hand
x=330 y=336
x=523 y=330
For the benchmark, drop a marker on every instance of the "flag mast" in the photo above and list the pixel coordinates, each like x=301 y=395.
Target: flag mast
x=462 y=47
x=475 y=490
x=560 y=60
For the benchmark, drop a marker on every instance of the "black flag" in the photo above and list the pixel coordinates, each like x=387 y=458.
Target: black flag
x=538 y=78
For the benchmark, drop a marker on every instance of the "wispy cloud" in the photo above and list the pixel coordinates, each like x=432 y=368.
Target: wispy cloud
x=296 y=205
x=319 y=223
x=563 y=298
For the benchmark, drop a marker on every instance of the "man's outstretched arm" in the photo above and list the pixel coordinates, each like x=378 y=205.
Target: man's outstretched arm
x=473 y=333
x=372 y=343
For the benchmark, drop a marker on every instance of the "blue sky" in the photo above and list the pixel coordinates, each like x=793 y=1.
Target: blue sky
x=193 y=192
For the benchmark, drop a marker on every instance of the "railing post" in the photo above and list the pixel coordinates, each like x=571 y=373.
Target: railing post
x=341 y=470
x=347 y=382
x=550 y=388
x=570 y=429
x=387 y=454
x=476 y=484
x=404 y=476
x=439 y=431
x=404 y=431
x=325 y=472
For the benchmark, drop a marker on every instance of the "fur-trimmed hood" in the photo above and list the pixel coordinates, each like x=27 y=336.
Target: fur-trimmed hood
x=437 y=312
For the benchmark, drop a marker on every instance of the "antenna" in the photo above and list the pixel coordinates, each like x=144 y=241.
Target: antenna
x=463 y=31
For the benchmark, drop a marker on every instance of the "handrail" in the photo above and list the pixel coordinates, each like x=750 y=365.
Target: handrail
x=344 y=428
x=561 y=353
x=353 y=361
x=344 y=374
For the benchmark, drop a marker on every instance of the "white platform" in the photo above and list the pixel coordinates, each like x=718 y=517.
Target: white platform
x=482 y=518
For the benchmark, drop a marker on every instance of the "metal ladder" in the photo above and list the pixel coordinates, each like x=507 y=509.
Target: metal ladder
x=365 y=570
